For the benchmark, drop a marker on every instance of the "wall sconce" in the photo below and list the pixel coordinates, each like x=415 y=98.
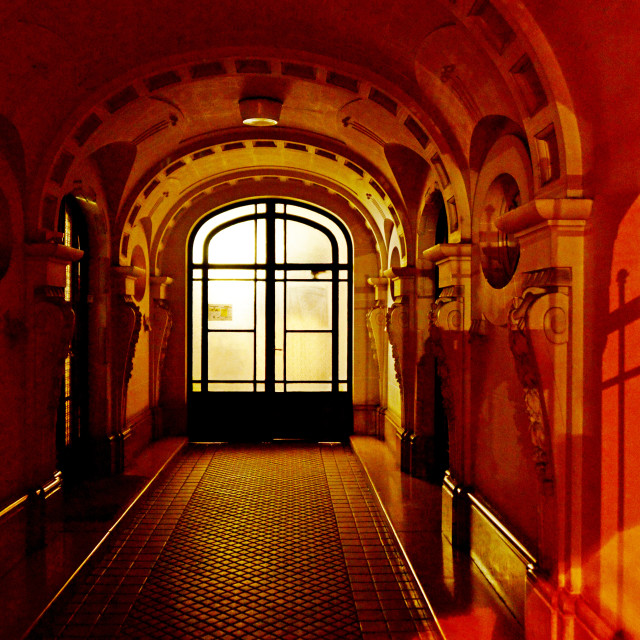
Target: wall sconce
x=260 y=112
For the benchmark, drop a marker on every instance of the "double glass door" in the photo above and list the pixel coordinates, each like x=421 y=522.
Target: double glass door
x=270 y=316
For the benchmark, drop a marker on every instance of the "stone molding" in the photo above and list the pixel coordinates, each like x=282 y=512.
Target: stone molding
x=536 y=212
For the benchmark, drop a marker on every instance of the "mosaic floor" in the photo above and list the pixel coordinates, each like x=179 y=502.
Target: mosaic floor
x=280 y=540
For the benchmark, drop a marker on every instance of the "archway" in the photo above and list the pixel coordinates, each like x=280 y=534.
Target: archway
x=269 y=324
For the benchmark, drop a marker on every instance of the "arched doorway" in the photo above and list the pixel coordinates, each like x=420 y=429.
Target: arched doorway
x=269 y=287
x=73 y=412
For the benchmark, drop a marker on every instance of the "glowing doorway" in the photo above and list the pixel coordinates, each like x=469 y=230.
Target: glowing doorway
x=270 y=300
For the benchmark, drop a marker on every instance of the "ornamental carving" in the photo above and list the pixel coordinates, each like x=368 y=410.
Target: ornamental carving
x=538 y=322
x=127 y=321
x=447 y=312
x=397 y=322
x=376 y=322
x=161 y=325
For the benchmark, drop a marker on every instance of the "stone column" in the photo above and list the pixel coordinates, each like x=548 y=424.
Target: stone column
x=403 y=335
x=449 y=321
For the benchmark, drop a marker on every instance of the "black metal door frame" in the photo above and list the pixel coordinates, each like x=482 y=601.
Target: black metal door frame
x=258 y=407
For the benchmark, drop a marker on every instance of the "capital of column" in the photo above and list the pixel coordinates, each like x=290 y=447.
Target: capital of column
x=159 y=286
x=124 y=279
x=48 y=263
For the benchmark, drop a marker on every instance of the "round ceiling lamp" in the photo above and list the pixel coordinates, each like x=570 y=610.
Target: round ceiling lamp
x=260 y=112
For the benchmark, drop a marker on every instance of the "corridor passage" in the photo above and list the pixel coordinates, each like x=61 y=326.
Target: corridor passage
x=281 y=540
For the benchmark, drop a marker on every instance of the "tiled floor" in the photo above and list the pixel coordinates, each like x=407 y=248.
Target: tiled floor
x=249 y=541
x=460 y=595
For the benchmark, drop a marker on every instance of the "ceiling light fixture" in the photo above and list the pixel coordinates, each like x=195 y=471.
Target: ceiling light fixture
x=260 y=112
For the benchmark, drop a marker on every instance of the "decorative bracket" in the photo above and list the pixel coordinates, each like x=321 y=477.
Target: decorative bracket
x=126 y=325
x=539 y=330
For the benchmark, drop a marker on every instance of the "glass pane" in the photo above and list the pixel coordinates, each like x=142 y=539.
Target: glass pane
x=260 y=386
x=279 y=274
x=213 y=223
x=260 y=330
x=231 y=304
x=279 y=331
x=279 y=241
x=230 y=386
x=231 y=274
x=196 y=330
x=308 y=305
x=327 y=223
x=261 y=208
x=343 y=328
x=305 y=274
x=261 y=241
x=197 y=274
x=197 y=386
x=279 y=386
x=308 y=356
x=234 y=245
x=279 y=207
x=343 y=386
x=231 y=356
x=344 y=274
x=306 y=244
x=308 y=386
x=261 y=274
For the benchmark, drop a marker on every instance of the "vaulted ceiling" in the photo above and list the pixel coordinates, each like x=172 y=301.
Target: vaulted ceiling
x=380 y=99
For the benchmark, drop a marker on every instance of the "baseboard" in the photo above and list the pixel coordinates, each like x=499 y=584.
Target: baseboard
x=501 y=557
x=471 y=526
x=555 y=613
x=365 y=420
x=137 y=434
x=393 y=436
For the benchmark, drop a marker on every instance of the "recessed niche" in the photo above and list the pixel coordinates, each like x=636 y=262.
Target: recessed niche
x=499 y=252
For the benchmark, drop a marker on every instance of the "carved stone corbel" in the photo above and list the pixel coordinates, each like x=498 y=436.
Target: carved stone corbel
x=161 y=324
x=126 y=325
x=397 y=322
x=447 y=311
x=376 y=323
x=539 y=332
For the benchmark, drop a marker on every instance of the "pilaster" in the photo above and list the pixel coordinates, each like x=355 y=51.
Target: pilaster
x=546 y=323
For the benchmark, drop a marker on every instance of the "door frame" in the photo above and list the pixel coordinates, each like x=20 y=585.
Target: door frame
x=270 y=402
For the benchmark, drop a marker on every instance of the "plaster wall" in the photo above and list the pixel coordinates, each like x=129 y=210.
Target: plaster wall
x=503 y=470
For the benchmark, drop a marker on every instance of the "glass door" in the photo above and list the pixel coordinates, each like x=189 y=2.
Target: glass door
x=270 y=317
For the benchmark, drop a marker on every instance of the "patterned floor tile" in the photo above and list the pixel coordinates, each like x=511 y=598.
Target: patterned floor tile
x=279 y=541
